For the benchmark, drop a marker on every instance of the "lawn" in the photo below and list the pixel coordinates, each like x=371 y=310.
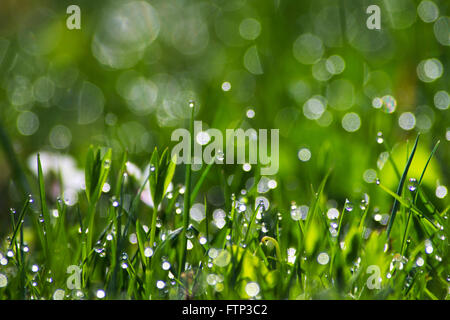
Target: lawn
x=224 y=150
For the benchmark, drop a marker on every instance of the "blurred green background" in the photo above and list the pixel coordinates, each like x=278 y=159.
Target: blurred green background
x=309 y=68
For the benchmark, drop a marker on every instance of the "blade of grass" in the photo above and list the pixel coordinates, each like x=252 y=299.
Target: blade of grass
x=200 y=181
x=400 y=188
x=405 y=234
x=187 y=195
x=48 y=239
x=407 y=205
x=20 y=222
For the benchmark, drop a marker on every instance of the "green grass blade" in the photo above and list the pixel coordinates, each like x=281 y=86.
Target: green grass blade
x=200 y=181
x=20 y=222
x=187 y=195
x=405 y=234
x=400 y=188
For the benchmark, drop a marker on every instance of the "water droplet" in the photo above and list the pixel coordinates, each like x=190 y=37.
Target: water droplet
x=190 y=232
x=428 y=247
x=323 y=258
x=160 y=284
x=220 y=155
x=412 y=186
x=59 y=294
x=107 y=164
x=241 y=207
x=100 y=294
x=377 y=181
x=380 y=138
x=191 y=103
x=420 y=261
x=333 y=213
x=98 y=248
x=252 y=289
x=165 y=265
x=152 y=168
x=363 y=205
x=348 y=206
x=148 y=252
x=211 y=279
x=12 y=211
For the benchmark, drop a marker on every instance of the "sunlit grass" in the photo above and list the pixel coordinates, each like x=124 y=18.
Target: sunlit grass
x=128 y=250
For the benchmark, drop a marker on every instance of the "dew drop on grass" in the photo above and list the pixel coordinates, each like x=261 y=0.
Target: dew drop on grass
x=441 y=192
x=190 y=232
x=333 y=213
x=428 y=247
x=412 y=185
x=211 y=279
x=10 y=253
x=363 y=205
x=348 y=206
x=380 y=138
x=420 y=261
x=241 y=207
x=59 y=294
x=252 y=289
x=100 y=294
x=98 y=248
x=165 y=265
x=148 y=252
x=220 y=155
x=78 y=294
x=160 y=284
x=12 y=211
x=191 y=103
x=107 y=164
x=323 y=258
